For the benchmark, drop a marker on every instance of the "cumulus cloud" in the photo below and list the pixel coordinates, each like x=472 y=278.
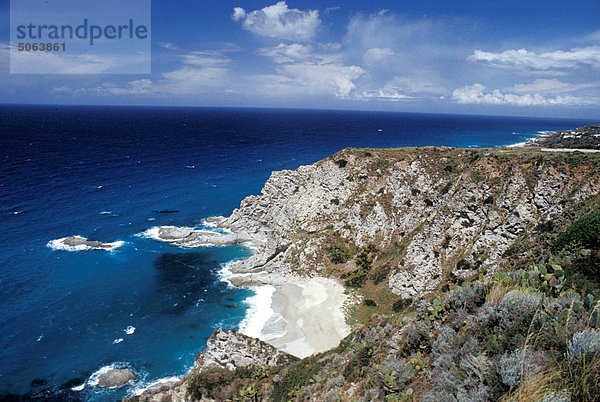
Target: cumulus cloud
x=238 y=14
x=527 y=60
x=322 y=79
x=294 y=53
x=478 y=94
x=283 y=53
x=280 y=22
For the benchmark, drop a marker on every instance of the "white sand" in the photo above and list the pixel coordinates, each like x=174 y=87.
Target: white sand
x=307 y=317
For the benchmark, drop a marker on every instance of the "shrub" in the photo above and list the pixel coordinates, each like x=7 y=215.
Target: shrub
x=370 y=303
x=356 y=279
x=338 y=253
x=361 y=359
x=584 y=232
x=335 y=201
x=584 y=273
x=400 y=305
x=511 y=365
x=428 y=202
x=296 y=376
x=380 y=274
x=516 y=311
x=341 y=163
x=584 y=343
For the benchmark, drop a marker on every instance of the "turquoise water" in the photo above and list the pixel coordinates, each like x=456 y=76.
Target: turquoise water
x=101 y=172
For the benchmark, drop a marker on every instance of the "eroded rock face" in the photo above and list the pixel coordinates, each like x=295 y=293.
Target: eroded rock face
x=116 y=378
x=231 y=349
x=449 y=210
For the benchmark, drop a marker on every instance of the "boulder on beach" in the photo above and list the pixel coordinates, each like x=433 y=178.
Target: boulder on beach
x=116 y=378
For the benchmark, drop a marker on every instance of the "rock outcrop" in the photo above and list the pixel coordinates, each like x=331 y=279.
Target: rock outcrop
x=116 y=378
x=439 y=210
x=226 y=349
x=79 y=243
x=231 y=349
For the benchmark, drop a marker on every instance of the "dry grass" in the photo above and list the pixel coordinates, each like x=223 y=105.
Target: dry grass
x=497 y=292
x=535 y=387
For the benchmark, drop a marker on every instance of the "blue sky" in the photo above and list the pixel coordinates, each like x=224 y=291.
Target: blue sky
x=535 y=58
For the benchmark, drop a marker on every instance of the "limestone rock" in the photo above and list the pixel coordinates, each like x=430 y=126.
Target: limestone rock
x=116 y=378
x=458 y=217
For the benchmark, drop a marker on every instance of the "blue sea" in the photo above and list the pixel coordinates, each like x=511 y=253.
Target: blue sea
x=100 y=172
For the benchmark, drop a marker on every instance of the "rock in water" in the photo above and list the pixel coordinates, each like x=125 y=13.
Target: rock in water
x=116 y=378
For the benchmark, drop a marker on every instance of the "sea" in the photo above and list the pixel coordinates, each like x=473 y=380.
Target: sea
x=110 y=174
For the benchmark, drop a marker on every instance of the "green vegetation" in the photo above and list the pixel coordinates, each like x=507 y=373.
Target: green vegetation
x=341 y=163
x=338 y=253
x=584 y=233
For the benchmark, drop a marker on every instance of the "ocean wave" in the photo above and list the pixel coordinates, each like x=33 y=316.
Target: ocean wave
x=259 y=311
x=129 y=330
x=94 y=379
x=189 y=237
x=80 y=243
x=143 y=386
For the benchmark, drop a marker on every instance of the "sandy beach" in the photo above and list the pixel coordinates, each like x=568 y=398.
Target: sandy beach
x=304 y=316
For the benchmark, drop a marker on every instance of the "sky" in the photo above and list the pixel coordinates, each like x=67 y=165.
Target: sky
x=503 y=57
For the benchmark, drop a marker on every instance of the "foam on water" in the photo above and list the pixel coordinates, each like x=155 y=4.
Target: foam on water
x=59 y=244
x=142 y=386
x=259 y=311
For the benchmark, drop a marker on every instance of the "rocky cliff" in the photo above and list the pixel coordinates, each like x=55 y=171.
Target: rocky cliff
x=433 y=211
x=433 y=225
x=224 y=350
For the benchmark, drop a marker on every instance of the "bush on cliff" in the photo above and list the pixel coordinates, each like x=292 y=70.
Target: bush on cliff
x=583 y=233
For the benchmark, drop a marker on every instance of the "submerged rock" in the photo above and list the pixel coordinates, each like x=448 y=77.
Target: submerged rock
x=116 y=378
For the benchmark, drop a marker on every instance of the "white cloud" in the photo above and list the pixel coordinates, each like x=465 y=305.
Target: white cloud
x=524 y=59
x=307 y=79
x=279 y=21
x=283 y=53
x=167 y=45
x=138 y=87
x=205 y=59
x=390 y=94
x=322 y=78
x=238 y=13
x=377 y=55
x=554 y=86
x=477 y=94
x=295 y=53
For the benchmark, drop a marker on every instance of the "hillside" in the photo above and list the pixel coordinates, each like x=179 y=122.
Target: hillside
x=586 y=137
x=477 y=271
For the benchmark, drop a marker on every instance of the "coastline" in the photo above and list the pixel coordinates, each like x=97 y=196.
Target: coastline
x=298 y=315
x=302 y=316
